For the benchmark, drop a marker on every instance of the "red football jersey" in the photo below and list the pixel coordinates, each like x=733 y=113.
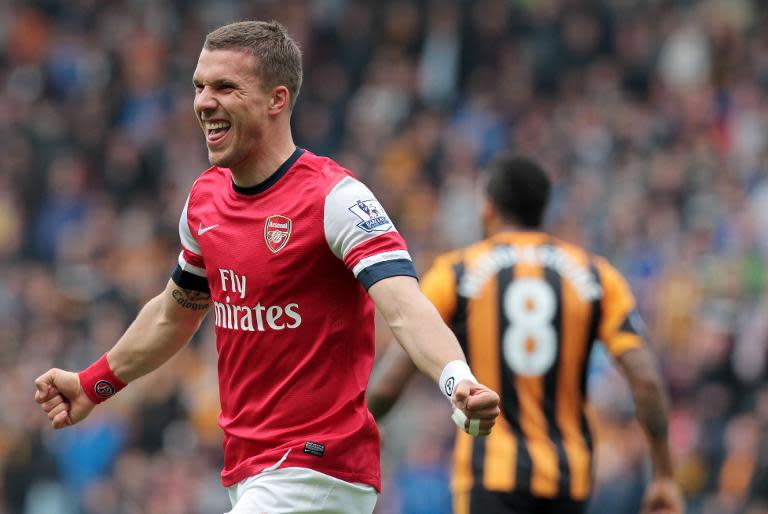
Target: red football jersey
x=287 y=264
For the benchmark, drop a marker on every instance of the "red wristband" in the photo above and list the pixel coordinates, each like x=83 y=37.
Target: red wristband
x=99 y=382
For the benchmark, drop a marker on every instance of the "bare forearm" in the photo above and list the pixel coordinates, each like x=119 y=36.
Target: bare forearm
x=390 y=377
x=416 y=324
x=379 y=405
x=429 y=342
x=652 y=414
x=640 y=367
x=162 y=328
x=433 y=348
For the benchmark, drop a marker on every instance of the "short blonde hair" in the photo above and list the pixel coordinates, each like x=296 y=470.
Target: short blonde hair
x=278 y=57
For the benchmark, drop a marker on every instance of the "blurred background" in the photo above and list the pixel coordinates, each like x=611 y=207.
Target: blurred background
x=651 y=116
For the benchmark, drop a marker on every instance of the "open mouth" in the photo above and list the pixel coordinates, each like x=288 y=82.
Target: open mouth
x=216 y=131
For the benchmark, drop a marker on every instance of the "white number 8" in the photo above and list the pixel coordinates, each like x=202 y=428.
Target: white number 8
x=530 y=341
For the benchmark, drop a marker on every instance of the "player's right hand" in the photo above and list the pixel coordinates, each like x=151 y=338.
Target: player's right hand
x=663 y=496
x=476 y=403
x=61 y=397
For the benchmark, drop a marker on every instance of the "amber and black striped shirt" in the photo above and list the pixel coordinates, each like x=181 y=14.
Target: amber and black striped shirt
x=527 y=309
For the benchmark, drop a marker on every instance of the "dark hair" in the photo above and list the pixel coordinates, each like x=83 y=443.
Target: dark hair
x=278 y=57
x=519 y=188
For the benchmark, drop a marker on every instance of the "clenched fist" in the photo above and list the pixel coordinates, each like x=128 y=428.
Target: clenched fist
x=477 y=408
x=61 y=397
x=663 y=497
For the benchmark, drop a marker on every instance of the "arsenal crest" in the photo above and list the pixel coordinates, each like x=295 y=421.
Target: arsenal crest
x=277 y=230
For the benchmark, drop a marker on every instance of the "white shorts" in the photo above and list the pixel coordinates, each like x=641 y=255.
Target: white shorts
x=300 y=490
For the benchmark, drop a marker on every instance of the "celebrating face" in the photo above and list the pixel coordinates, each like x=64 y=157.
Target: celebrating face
x=231 y=105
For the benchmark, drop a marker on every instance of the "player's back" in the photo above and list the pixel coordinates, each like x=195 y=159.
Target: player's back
x=527 y=309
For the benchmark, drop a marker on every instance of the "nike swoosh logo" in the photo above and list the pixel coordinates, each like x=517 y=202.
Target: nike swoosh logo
x=201 y=230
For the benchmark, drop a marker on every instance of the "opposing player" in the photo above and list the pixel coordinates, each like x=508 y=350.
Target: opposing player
x=289 y=249
x=527 y=309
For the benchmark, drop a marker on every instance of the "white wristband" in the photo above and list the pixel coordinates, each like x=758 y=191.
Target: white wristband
x=453 y=373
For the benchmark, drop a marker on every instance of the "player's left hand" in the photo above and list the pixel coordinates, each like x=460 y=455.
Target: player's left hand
x=476 y=408
x=663 y=497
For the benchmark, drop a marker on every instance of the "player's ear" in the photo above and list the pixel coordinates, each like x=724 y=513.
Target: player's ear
x=487 y=215
x=280 y=100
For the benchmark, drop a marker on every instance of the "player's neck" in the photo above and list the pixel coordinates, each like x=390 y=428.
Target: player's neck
x=500 y=227
x=264 y=162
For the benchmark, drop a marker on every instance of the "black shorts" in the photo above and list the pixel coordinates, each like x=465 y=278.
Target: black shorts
x=490 y=502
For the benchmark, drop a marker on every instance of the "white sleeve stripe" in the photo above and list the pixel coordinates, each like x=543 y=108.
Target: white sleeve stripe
x=380 y=257
x=187 y=240
x=185 y=266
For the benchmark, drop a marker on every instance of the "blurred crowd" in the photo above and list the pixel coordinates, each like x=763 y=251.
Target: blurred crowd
x=651 y=116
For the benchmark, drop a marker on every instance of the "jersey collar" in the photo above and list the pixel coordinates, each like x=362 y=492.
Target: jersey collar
x=272 y=179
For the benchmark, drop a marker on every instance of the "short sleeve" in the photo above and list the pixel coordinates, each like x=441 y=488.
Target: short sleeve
x=621 y=327
x=360 y=233
x=439 y=286
x=190 y=270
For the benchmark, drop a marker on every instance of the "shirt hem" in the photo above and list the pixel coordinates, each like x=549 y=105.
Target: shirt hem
x=241 y=473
